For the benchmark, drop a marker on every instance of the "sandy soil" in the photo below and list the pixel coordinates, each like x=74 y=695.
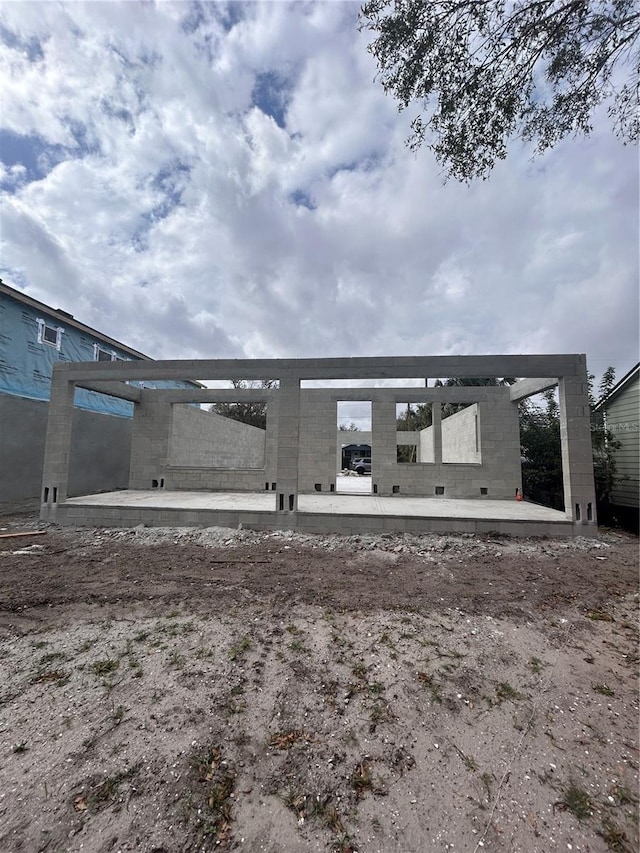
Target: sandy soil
x=182 y=690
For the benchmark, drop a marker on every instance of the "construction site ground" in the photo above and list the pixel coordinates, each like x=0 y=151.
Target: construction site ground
x=186 y=689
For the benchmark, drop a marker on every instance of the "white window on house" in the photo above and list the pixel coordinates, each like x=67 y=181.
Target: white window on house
x=102 y=354
x=51 y=335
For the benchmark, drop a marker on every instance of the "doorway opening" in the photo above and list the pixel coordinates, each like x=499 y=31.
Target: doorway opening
x=354 y=447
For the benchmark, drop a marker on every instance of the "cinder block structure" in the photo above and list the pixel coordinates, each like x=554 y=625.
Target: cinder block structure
x=179 y=450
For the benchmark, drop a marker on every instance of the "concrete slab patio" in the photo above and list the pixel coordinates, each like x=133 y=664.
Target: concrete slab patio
x=338 y=513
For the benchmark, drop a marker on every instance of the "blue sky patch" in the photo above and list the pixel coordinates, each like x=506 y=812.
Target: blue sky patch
x=301 y=199
x=31 y=46
x=32 y=152
x=271 y=95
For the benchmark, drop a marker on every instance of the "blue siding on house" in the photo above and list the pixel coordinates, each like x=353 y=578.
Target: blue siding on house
x=27 y=358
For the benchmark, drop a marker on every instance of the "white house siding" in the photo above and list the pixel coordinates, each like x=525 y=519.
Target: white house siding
x=623 y=419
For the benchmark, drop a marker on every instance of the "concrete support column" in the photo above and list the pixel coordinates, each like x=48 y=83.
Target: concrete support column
x=57 y=450
x=383 y=445
x=271 y=444
x=577 y=453
x=150 y=442
x=436 y=421
x=288 y=441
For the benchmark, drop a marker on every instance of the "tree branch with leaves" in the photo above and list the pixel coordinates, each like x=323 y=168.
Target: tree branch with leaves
x=486 y=71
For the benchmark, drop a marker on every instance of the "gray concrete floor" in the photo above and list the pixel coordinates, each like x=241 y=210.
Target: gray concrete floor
x=327 y=503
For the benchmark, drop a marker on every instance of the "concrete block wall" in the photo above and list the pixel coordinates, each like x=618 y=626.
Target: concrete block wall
x=318 y=453
x=202 y=439
x=159 y=459
x=150 y=442
x=577 y=452
x=461 y=436
x=496 y=474
x=99 y=458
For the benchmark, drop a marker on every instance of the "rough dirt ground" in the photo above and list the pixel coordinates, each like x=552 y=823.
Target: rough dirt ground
x=181 y=689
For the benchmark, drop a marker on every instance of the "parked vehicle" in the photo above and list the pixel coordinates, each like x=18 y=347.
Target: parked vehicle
x=362 y=466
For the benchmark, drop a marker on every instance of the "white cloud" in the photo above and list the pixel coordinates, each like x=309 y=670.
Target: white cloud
x=183 y=220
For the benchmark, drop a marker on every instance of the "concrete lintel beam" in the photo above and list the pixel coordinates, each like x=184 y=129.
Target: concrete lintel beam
x=471 y=366
x=113 y=389
x=214 y=395
x=528 y=387
x=459 y=394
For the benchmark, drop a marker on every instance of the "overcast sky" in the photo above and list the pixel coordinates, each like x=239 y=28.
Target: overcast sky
x=229 y=180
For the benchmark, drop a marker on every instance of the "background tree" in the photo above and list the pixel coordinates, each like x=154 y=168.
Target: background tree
x=603 y=441
x=542 y=454
x=541 y=451
x=253 y=414
x=484 y=71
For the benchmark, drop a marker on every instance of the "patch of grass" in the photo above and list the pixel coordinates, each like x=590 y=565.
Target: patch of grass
x=504 y=690
x=50 y=657
x=205 y=654
x=285 y=740
x=58 y=677
x=599 y=615
x=359 y=670
x=88 y=644
x=575 y=800
x=614 y=838
x=176 y=660
x=141 y=636
x=101 y=794
x=536 y=665
x=603 y=689
x=21 y=746
x=298 y=646
x=215 y=786
x=117 y=714
x=238 y=651
x=385 y=638
x=40 y=644
x=296 y=802
x=361 y=779
x=623 y=795
x=487 y=781
x=434 y=688
x=293 y=630
x=378 y=714
x=105 y=666
x=468 y=760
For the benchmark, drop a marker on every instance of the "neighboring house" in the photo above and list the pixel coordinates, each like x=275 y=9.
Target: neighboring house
x=33 y=337
x=621 y=413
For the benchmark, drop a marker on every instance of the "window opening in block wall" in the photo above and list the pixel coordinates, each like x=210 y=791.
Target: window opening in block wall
x=540 y=450
x=354 y=447
x=460 y=426
x=414 y=432
x=230 y=436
